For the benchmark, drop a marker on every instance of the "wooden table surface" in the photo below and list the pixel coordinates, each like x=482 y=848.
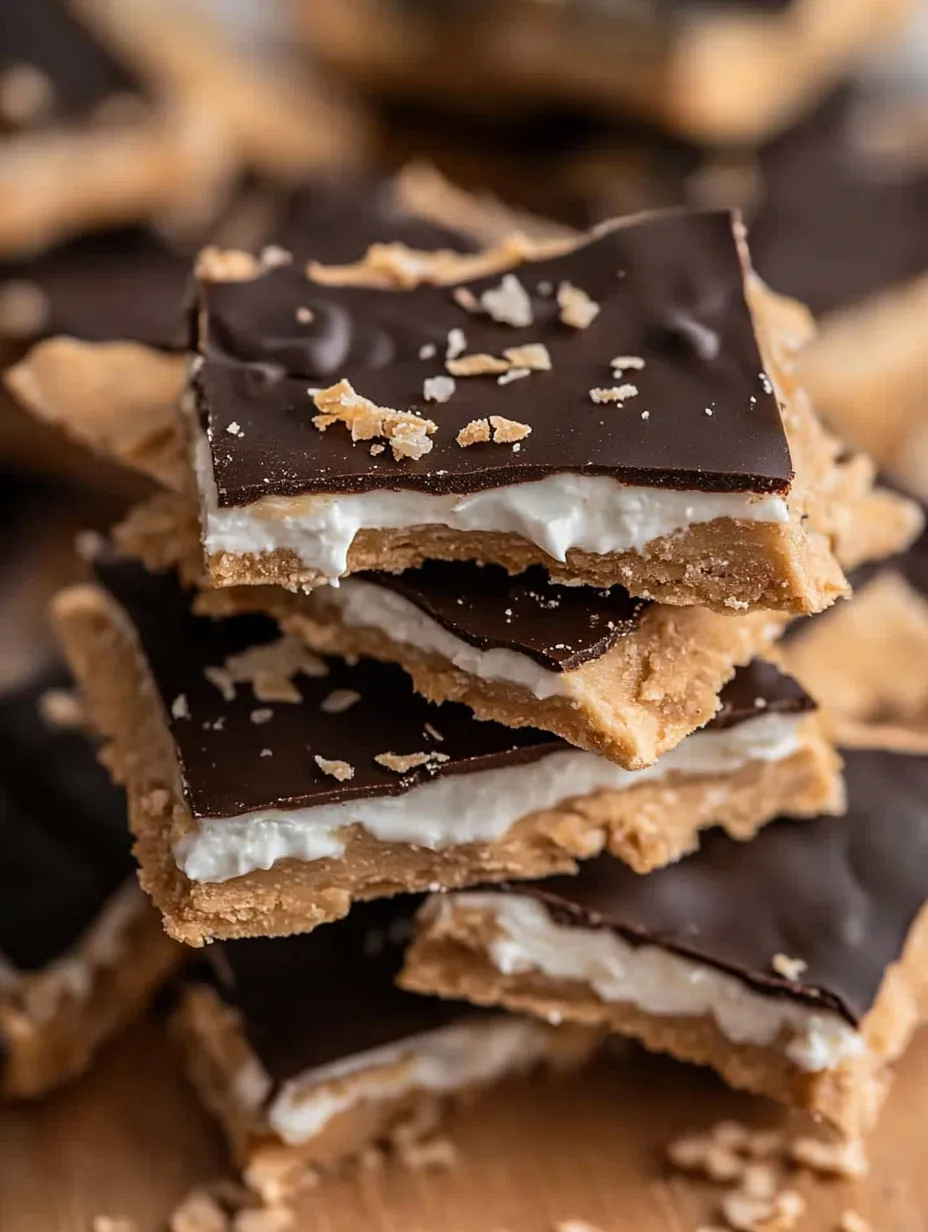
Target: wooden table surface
x=130 y=1139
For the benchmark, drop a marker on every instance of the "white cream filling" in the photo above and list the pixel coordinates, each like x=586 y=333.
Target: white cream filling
x=364 y=604
x=594 y=513
x=655 y=980
x=464 y=808
x=466 y=1054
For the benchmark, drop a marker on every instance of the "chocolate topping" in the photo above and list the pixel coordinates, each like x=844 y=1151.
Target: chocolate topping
x=670 y=292
x=560 y=627
x=839 y=893
x=232 y=764
x=759 y=688
x=312 y=999
x=838 y=223
x=64 y=844
x=43 y=35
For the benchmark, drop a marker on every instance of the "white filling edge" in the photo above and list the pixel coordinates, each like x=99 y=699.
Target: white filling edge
x=655 y=980
x=451 y=1058
x=594 y=513
x=454 y=809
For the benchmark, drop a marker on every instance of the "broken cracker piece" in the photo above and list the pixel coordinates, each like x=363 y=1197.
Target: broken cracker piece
x=341 y=770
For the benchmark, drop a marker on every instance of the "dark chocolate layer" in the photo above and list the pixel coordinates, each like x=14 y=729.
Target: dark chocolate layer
x=670 y=291
x=839 y=893
x=233 y=763
x=64 y=843
x=759 y=688
x=80 y=72
x=837 y=224
x=308 y=1000
x=560 y=627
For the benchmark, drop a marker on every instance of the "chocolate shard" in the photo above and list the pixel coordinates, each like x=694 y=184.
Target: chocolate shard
x=839 y=893
x=670 y=294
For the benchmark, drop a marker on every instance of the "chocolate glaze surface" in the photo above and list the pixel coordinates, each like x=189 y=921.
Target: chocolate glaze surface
x=64 y=843
x=311 y=999
x=82 y=74
x=838 y=224
x=840 y=893
x=670 y=290
x=226 y=770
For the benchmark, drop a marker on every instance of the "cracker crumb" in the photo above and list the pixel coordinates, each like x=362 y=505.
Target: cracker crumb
x=847 y=1158
x=428 y=350
x=269 y=669
x=505 y=431
x=438 y=388
x=509 y=303
x=376 y=449
x=408 y=434
x=622 y=362
x=850 y=1221
x=403 y=762
x=227 y=265
x=339 y=700
x=266 y=753
x=234 y=429
x=765 y=383
x=533 y=355
x=305 y=315
x=778 y=1214
x=789 y=968
x=476 y=431
x=24 y=308
x=478 y=364
x=26 y=94
x=179 y=707
x=341 y=770
x=514 y=374
x=457 y=343
x=63 y=708
x=465 y=299
x=616 y=393
x=394 y=265
x=433 y=732
x=275 y=257
x=577 y=309
x=261 y=716
x=198 y=1212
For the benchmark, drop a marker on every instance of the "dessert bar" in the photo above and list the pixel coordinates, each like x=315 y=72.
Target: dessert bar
x=795 y=965
x=269 y=787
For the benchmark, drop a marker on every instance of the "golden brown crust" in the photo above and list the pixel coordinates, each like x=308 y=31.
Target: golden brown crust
x=647 y=824
x=40 y=1052
x=449 y=957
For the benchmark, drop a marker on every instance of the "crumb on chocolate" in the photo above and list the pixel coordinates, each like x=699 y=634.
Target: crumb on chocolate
x=234 y=429
x=478 y=364
x=401 y=763
x=398 y=267
x=438 y=388
x=269 y=669
x=179 y=707
x=408 y=434
x=433 y=732
x=622 y=362
x=261 y=716
x=514 y=374
x=428 y=350
x=577 y=309
x=615 y=393
x=339 y=700
x=846 y=1158
x=23 y=308
x=505 y=431
x=509 y=303
x=305 y=315
x=26 y=94
x=275 y=257
x=376 y=449
x=789 y=968
x=533 y=355
x=341 y=770
x=227 y=265
x=473 y=433
x=457 y=343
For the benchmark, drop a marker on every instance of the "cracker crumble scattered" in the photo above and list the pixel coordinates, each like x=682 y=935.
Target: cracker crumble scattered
x=341 y=770
x=234 y=429
x=623 y=362
x=505 y=431
x=514 y=374
x=433 y=732
x=428 y=350
x=478 y=364
x=509 y=303
x=375 y=450
x=457 y=343
x=26 y=93
x=577 y=309
x=789 y=968
x=533 y=355
x=615 y=393
x=261 y=716
x=266 y=753
x=179 y=707
x=24 y=308
x=408 y=434
x=339 y=700
x=465 y=299
x=401 y=763
x=439 y=388
x=305 y=315
x=766 y=382
x=708 y=410
x=473 y=433
x=269 y=669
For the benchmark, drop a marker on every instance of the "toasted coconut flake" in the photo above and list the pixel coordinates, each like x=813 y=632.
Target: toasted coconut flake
x=505 y=431
x=533 y=355
x=577 y=309
x=341 y=770
x=509 y=303
x=438 y=388
x=401 y=763
x=479 y=364
x=474 y=433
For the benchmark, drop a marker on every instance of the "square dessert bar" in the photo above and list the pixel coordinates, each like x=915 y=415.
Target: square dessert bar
x=795 y=965
x=270 y=788
x=728 y=71
x=611 y=411
x=308 y=1052
x=81 y=949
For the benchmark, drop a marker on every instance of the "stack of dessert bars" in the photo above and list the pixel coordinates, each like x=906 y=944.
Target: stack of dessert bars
x=442 y=681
